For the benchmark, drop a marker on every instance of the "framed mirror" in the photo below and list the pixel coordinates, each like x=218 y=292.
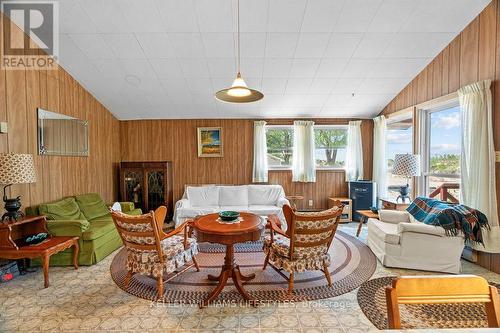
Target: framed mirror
x=62 y=135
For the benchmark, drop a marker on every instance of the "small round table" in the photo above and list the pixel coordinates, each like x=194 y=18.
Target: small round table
x=208 y=229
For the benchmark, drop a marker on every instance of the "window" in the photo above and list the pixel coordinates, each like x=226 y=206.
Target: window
x=330 y=145
x=279 y=146
x=399 y=141
x=441 y=152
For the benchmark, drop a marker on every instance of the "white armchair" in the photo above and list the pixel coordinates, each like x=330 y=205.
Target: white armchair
x=398 y=240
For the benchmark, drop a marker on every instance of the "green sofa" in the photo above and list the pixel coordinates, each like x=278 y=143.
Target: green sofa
x=85 y=216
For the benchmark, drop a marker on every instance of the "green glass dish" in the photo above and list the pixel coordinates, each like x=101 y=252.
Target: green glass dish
x=229 y=216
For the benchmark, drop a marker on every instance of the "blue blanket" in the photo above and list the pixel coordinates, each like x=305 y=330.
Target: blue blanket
x=454 y=218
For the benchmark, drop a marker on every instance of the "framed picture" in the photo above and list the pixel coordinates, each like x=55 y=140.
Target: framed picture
x=210 y=142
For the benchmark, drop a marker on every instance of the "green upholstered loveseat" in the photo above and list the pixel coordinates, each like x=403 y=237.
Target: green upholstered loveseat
x=85 y=216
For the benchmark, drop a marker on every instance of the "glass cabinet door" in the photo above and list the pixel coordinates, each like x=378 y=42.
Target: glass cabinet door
x=134 y=187
x=156 y=188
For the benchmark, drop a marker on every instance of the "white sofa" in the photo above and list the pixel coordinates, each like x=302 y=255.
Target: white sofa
x=262 y=200
x=398 y=240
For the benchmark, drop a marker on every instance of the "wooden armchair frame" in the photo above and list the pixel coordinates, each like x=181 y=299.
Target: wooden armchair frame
x=156 y=219
x=441 y=289
x=291 y=218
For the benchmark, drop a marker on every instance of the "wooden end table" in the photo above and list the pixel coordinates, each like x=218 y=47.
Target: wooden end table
x=208 y=229
x=365 y=215
x=12 y=246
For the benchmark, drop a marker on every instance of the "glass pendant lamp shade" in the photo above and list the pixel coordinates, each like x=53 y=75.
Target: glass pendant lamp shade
x=239 y=91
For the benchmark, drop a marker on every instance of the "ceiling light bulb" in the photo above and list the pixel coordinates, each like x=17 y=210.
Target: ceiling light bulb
x=239 y=88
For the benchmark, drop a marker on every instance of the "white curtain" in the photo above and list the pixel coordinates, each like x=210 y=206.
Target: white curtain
x=379 y=155
x=259 y=152
x=477 y=163
x=354 y=154
x=304 y=161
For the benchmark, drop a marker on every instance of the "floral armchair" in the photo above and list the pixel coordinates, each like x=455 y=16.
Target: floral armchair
x=152 y=252
x=304 y=245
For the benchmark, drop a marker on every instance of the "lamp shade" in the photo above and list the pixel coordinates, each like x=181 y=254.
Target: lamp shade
x=17 y=169
x=407 y=165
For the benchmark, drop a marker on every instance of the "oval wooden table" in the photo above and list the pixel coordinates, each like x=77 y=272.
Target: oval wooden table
x=208 y=229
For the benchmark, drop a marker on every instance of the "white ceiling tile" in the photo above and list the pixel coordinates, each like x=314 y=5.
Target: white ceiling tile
x=286 y=15
x=312 y=45
x=298 y=86
x=277 y=67
x=178 y=16
x=252 y=67
x=187 y=45
x=220 y=83
x=281 y=45
x=199 y=85
x=331 y=67
x=321 y=15
x=357 y=15
x=392 y=14
x=358 y=68
x=69 y=53
x=322 y=85
x=219 y=45
x=382 y=85
x=443 y=15
x=72 y=18
x=415 y=45
x=221 y=67
x=167 y=68
x=175 y=87
x=156 y=45
x=194 y=67
x=347 y=85
x=92 y=45
x=214 y=15
x=342 y=45
x=273 y=85
x=109 y=68
x=141 y=16
x=253 y=45
x=304 y=67
x=398 y=67
x=253 y=15
x=339 y=100
x=124 y=46
x=373 y=45
x=106 y=15
x=137 y=67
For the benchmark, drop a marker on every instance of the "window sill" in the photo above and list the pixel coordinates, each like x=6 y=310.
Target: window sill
x=317 y=170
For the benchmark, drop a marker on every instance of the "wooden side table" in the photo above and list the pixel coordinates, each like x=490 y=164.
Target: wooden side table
x=12 y=246
x=393 y=204
x=208 y=229
x=365 y=215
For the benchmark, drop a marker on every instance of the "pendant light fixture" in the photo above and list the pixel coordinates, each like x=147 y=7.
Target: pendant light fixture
x=239 y=92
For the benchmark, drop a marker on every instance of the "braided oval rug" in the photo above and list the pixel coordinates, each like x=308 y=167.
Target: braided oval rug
x=352 y=264
x=371 y=299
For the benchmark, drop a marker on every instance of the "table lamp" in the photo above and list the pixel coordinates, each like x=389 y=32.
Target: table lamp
x=406 y=165
x=15 y=169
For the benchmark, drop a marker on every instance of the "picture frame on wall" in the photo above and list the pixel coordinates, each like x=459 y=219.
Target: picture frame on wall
x=210 y=142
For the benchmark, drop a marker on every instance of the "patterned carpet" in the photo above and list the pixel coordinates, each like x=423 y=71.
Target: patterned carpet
x=352 y=264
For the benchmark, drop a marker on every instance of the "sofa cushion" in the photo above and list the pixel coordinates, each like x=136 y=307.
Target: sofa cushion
x=233 y=196
x=202 y=196
x=264 y=209
x=65 y=209
x=195 y=211
x=264 y=194
x=388 y=232
x=92 y=205
x=98 y=228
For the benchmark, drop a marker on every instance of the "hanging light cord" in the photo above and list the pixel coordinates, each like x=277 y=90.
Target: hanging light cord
x=238 y=9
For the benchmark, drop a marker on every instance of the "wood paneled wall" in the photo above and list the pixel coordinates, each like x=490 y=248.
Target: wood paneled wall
x=21 y=93
x=472 y=56
x=175 y=140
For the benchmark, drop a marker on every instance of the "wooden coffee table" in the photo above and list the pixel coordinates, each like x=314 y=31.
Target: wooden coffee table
x=365 y=215
x=208 y=229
